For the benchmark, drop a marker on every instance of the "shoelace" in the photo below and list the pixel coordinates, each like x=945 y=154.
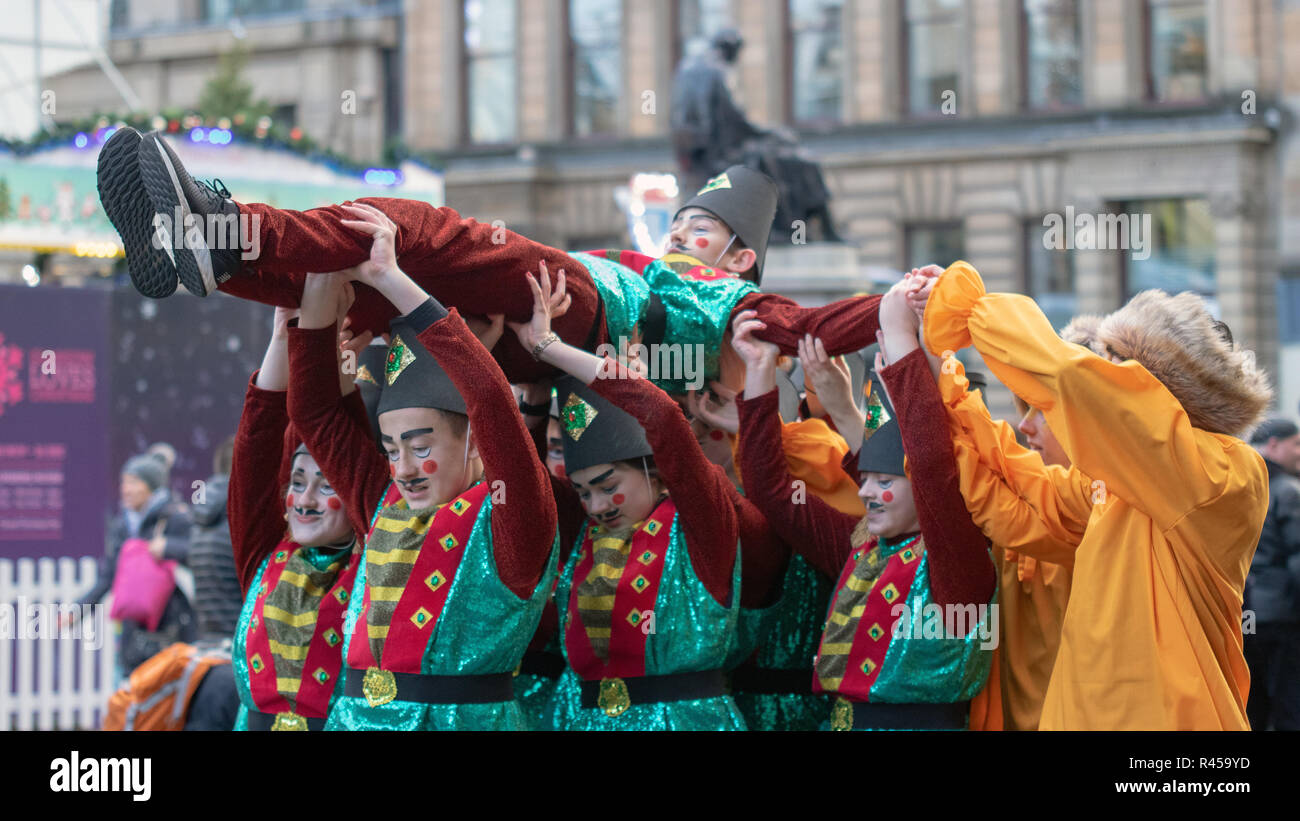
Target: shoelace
x=216 y=187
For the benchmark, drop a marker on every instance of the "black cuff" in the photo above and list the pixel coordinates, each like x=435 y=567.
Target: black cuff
x=429 y=312
x=544 y=409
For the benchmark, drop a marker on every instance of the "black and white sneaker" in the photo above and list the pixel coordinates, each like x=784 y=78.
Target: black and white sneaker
x=206 y=219
x=122 y=193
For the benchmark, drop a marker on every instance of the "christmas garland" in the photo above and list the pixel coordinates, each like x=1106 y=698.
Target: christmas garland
x=259 y=130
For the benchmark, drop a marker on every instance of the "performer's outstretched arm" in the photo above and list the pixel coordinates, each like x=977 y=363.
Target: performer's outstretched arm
x=339 y=439
x=257 y=471
x=962 y=570
x=819 y=532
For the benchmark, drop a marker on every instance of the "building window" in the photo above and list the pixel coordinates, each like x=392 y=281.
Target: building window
x=392 y=66
x=1052 y=51
x=697 y=22
x=939 y=243
x=596 y=64
x=816 y=59
x=216 y=11
x=1177 y=255
x=490 y=100
x=1176 y=50
x=119 y=14
x=934 y=48
x=1049 y=276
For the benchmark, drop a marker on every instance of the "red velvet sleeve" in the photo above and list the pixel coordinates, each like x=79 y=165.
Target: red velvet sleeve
x=961 y=570
x=699 y=488
x=568 y=507
x=256 y=524
x=817 y=531
x=763 y=554
x=339 y=440
x=842 y=326
x=523 y=522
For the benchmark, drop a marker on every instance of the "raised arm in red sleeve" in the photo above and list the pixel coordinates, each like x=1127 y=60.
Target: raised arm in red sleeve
x=961 y=570
x=523 y=525
x=568 y=507
x=763 y=554
x=256 y=525
x=817 y=531
x=336 y=437
x=699 y=488
x=843 y=326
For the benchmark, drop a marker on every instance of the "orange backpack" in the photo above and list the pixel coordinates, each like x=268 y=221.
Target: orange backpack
x=157 y=696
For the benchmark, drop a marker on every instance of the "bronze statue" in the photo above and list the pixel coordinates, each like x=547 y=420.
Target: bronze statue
x=710 y=133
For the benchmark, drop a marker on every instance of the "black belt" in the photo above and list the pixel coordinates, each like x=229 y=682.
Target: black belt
x=541 y=663
x=750 y=678
x=381 y=686
x=261 y=722
x=876 y=716
x=611 y=694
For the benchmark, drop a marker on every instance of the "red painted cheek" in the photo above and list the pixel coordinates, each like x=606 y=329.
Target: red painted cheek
x=429 y=466
x=619 y=498
x=715 y=435
x=334 y=503
x=288 y=500
x=887 y=496
x=392 y=468
x=701 y=243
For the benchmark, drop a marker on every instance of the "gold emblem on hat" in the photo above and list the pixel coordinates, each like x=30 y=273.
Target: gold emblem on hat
x=577 y=415
x=613 y=697
x=289 y=721
x=399 y=356
x=720 y=181
x=842 y=714
x=379 y=687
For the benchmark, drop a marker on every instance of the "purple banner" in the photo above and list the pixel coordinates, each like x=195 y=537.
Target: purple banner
x=54 y=421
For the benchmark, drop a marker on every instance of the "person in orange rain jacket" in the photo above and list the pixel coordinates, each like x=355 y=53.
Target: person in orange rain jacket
x=1033 y=593
x=1150 y=419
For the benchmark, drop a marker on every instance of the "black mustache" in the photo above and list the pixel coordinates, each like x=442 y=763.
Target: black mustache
x=302 y=511
x=875 y=506
x=609 y=517
x=412 y=484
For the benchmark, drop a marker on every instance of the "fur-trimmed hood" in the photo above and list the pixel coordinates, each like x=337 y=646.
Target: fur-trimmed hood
x=1082 y=330
x=1176 y=339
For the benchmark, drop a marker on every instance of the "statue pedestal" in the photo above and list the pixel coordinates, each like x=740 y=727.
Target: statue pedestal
x=820 y=272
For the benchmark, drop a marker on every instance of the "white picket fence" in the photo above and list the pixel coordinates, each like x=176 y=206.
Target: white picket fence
x=52 y=683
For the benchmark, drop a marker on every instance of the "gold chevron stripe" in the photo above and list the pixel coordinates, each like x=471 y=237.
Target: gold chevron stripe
x=303 y=581
x=288 y=651
x=399 y=525
x=386 y=593
x=291 y=619
x=377 y=557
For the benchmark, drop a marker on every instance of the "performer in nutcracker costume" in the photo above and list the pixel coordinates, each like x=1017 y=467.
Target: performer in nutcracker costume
x=459 y=555
x=288 y=643
x=1149 y=416
x=649 y=595
x=712 y=269
x=915 y=549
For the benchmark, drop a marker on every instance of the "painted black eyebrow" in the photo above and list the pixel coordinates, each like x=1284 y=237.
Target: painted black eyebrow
x=411 y=434
x=602 y=477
